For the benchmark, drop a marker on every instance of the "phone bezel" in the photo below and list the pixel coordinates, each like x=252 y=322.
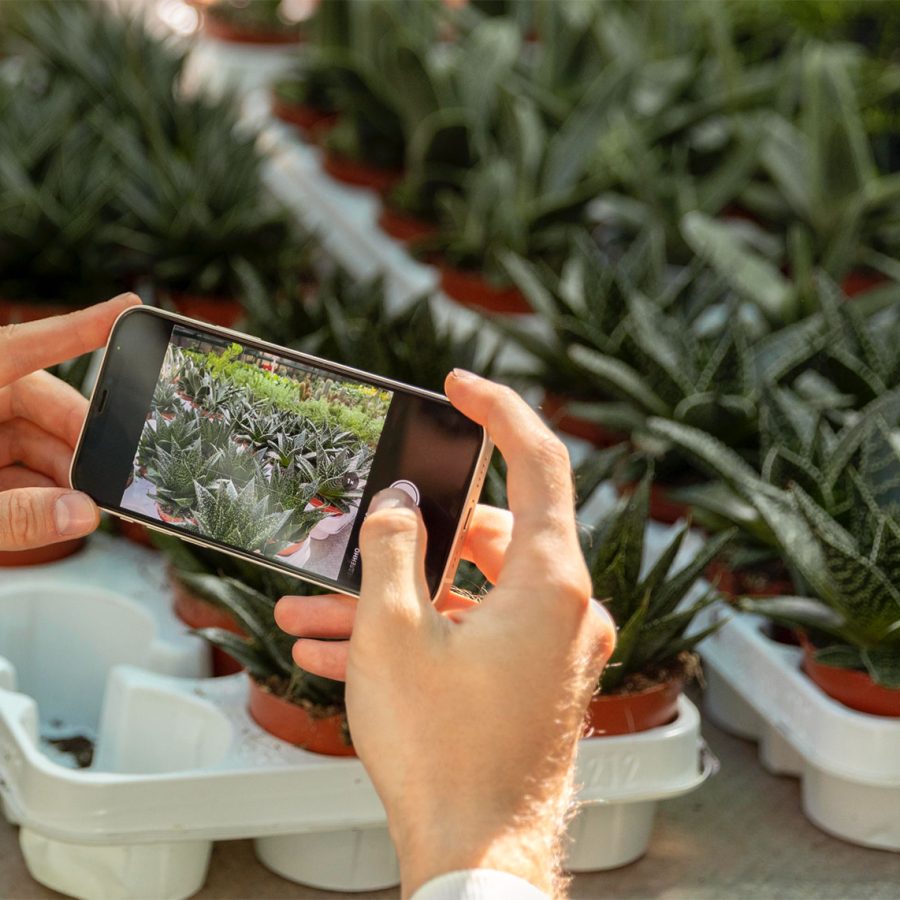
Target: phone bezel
x=473 y=491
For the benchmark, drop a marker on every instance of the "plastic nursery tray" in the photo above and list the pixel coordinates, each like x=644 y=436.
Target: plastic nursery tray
x=178 y=763
x=848 y=761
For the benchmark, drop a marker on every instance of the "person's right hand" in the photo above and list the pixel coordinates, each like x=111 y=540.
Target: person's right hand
x=468 y=720
x=40 y=421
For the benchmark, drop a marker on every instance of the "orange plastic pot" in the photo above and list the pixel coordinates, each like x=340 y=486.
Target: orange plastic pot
x=224 y=311
x=662 y=507
x=850 y=686
x=135 y=532
x=14 y=312
x=307 y=118
x=223 y=30
x=39 y=556
x=554 y=408
x=738 y=583
x=403 y=227
x=360 y=174
x=296 y=725
x=473 y=289
x=612 y=714
x=196 y=612
x=860 y=281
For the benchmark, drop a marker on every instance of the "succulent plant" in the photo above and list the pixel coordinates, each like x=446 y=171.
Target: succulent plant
x=164 y=397
x=57 y=219
x=339 y=476
x=837 y=534
x=266 y=650
x=185 y=181
x=638 y=338
x=652 y=609
x=239 y=518
x=175 y=475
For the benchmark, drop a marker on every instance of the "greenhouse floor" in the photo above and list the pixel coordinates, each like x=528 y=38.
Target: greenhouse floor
x=741 y=835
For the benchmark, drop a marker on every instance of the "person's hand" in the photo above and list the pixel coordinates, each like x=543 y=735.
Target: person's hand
x=40 y=420
x=467 y=716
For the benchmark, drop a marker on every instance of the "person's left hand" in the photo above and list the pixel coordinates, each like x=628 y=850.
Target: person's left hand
x=40 y=421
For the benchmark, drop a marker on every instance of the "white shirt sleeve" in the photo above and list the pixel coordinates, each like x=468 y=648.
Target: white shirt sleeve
x=478 y=884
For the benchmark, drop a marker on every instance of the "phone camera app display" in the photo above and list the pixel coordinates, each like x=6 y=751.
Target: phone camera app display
x=256 y=451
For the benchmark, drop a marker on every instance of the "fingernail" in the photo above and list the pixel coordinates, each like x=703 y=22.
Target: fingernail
x=464 y=375
x=75 y=514
x=391 y=498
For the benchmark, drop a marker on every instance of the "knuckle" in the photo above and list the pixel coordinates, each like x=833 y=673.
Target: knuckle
x=572 y=586
x=21 y=521
x=389 y=523
x=551 y=454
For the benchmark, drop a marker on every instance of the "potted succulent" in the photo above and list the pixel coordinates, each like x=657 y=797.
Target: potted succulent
x=57 y=228
x=654 y=608
x=354 y=323
x=198 y=610
x=687 y=354
x=819 y=188
x=839 y=546
x=291 y=704
x=251 y=22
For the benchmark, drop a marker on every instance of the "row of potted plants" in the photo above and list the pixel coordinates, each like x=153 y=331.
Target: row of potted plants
x=167 y=191
x=472 y=170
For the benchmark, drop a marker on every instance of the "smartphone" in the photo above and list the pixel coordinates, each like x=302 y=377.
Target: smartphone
x=268 y=454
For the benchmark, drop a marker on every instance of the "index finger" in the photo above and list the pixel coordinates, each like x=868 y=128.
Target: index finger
x=36 y=345
x=539 y=477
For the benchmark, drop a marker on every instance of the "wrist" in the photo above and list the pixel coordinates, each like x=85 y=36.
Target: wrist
x=525 y=845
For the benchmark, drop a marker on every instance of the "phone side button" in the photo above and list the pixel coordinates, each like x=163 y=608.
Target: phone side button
x=468 y=518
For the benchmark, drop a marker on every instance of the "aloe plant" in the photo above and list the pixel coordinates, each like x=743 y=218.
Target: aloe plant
x=354 y=323
x=175 y=475
x=838 y=542
x=339 y=476
x=164 y=397
x=653 y=609
x=266 y=649
x=185 y=181
x=820 y=188
x=637 y=338
x=57 y=221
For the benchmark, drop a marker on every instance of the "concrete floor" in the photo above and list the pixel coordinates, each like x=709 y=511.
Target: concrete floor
x=741 y=836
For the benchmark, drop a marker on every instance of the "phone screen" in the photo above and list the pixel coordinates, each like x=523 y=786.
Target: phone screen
x=268 y=455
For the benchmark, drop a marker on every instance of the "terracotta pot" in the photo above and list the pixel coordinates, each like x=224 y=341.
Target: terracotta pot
x=473 y=289
x=294 y=724
x=360 y=174
x=662 y=507
x=318 y=502
x=611 y=714
x=554 y=408
x=860 y=281
x=739 y=583
x=224 y=311
x=13 y=312
x=403 y=227
x=222 y=30
x=314 y=122
x=39 y=556
x=135 y=532
x=850 y=686
x=170 y=519
x=196 y=612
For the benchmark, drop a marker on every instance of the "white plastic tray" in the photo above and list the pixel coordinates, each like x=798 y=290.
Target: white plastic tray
x=179 y=763
x=848 y=761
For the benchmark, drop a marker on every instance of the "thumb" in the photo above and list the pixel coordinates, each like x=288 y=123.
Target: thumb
x=392 y=543
x=33 y=517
